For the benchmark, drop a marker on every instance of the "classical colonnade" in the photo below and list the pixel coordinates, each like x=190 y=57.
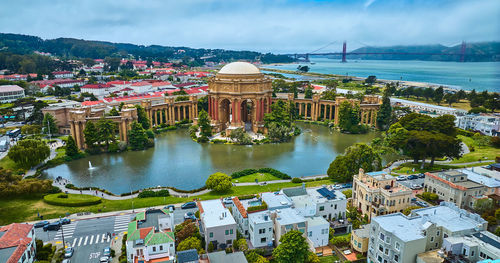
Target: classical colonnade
x=221 y=107
x=171 y=111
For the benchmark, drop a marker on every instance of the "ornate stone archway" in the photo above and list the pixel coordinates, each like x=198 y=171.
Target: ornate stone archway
x=238 y=83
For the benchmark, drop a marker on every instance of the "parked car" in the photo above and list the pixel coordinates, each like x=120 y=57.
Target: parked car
x=41 y=224
x=68 y=252
x=67 y=260
x=347 y=185
x=65 y=221
x=106 y=252
x=401 y=178
x=52 y=226
x=422 y=204
x=170 y=207
x=189 y=215
x=228 y=201
x=416 y=187
x=104 y=260
x=412 y=177
x=422 y=175
x=188 y=205
x=414 y=199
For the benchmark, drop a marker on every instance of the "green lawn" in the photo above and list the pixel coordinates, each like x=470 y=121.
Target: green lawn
x=328 y=259
x=7 y=163
x=259 y=176
x=27 y=207
x=482 y=153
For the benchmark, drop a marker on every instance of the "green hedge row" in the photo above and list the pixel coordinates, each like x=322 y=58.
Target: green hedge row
x=244 y=197
x=272 y=171
x=149 y=193
x=71 y=200
x=263 y=206
x=465 y=133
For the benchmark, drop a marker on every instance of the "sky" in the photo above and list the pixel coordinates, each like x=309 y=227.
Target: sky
x=285 y=26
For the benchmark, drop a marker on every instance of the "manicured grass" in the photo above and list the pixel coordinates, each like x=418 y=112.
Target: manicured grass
x=26 y=208
x=7 y=163
x=259 y=176
x=6 y=105
x=328 y=259
x=463 y=104
x=71 y=200
x=482 y=153
x=61 y=152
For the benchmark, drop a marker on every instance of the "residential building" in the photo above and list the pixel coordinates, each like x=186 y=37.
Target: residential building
x=319 y=201
x=150 y=237
x=17 y=243
x=454 y=186
x=260 y=229
x=360 y=238
x=188 y=256
x=317 y=231
x=141 y=87
x=488 y=178
x=63 y=83
x=98 y=90
x=223 y=257
x=378 y=193
x=426 y=108
x=285 y=220
x=488 y=124
x=276 y=200
x=399 y=238
x=255 y=224
x=10 y=93
x=62 y=74
x=475 y=247
x=217 y=224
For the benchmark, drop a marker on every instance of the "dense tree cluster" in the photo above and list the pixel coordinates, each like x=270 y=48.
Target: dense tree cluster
x=15 y=185
x=205 y=128
x=219 y=182
x=357 y=156
x=29 y=152
x=293 y=248
x=99 y=133
x=279 y=121
x=138 y=138
x=349 y=118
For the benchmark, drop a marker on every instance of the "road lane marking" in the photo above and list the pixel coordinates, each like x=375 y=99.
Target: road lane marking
x=103 y=237
x=85 y=243
x=74 y=243
x=58 y=242
x=91 y=240
x=80 y=241
x=107 y=239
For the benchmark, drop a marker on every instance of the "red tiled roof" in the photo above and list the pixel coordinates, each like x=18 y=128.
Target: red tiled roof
x=16 y=235
x=161 y=83
x=126 y=89
x=61 y=72
x=240 y=207
x=141 y=83
x=96 y=86
x=446 y=182
x=118 y=82
x=184 y=84
x=316 y=87
x=143 y=232
x=90 y=102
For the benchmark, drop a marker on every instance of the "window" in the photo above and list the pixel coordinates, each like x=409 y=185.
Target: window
x=381 y=248
x=445 y=235
x=161 y=247
x=171 y=245
x=396 y=258
x=465 y=252
x=231 y=231
x=227 y=232
x=301 y=224
x=211 y=234
x=387 y=251
x=310 y=234
x=269 y=229
x=382 y=236
x=379 y=258
x=263 y=240
x=388 y=239
x=432 y=239
x=322 y=208
x=154 y=249
x=335 y=206
x=397 y=246
x=359 y=245
x=262 y=231
x=437 y=233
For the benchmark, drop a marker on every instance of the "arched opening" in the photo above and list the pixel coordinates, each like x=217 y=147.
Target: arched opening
x=247 y=109
x=225 y=113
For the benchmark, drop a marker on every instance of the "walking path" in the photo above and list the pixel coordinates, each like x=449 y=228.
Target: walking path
x=61 y=183
x=53 y=153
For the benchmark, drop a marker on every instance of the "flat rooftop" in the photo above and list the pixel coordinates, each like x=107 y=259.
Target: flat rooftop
x=449 y=216
x=260 y=217
x=289 y=216
x=215 y=214
x=430 y=256
x=380 y=175
x=363 y=232
x=322 y=194
x=276 y=200
x=316 y=221
x=403 y=227
x=483 y=179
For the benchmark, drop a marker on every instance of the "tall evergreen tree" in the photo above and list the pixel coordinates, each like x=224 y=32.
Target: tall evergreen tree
x=137 y=137
x=49 y=124
x=438 y=95
x=204 y=123
x=91 y=134
x=384 y=114
x=71 y=148
x=142 y=117
x=348 y=116
x=107 y=131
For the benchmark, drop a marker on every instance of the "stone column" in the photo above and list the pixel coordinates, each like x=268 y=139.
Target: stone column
x=263 y=110
x=210 y=107
x=216 y=105
x=336 y=114
x=77 y=135
x=331 y=112
x=184 y=111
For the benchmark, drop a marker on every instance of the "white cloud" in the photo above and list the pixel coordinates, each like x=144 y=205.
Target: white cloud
x=280 y=26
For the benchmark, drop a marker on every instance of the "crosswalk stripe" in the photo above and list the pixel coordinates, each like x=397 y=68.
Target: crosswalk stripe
x=91 y=240
x=85 y=243
x=80 y=241
x=107 y=239
x=74 y=243
x=103 y=238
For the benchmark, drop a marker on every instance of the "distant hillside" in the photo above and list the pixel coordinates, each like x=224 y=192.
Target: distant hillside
x=474 y=52
x=78 y=48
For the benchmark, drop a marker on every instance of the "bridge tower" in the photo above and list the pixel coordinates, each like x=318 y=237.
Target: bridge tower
x=344 y=50
x=462 y=51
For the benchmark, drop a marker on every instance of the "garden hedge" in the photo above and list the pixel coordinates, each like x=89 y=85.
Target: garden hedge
x=71 y=200
x=271 y=171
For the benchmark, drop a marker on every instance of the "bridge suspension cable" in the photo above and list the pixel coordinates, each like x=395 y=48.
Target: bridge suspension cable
x=323 y=47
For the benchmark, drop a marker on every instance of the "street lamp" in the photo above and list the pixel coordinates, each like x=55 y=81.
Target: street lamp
x=62 y=232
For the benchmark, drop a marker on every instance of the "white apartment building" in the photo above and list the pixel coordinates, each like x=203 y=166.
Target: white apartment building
x=317 y=231
x=10 y=93
x=319 y=201
x=286 y=220
x=400 y=238
x=475 y=247
x=62 y=74
x=260 y=227
x=217 y=224
x=486 y=124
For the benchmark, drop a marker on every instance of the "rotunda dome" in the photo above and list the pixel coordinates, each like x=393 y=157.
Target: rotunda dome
x=239 y=67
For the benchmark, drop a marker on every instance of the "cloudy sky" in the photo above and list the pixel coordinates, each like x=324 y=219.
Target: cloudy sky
x=261 y=25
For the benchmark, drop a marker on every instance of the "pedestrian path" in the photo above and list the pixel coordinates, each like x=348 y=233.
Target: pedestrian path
x=121 y=223
x=89 y=240
x=68 y=231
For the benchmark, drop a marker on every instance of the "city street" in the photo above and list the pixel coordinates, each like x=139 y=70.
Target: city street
x=89 y=237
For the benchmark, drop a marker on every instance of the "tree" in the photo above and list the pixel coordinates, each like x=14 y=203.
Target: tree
x=71 y=148
x=348 y=116
x=240 y=136
x=356 y=156
x=384 y=113
x=28 y=153
x=31 y=129
x=328 y=95
x=190 y=243
x=49 y=124
x=408 y=210
x=483 y=205
x=253 y=257
x=138 y=139
x=293 y=248
x=186 y=230
x=450 y=98
x=219 y=182
x=203 y=103
x=438 y=95
x=303 y=68
x=142 y=117
x=204 y=123
x=91 y=134
x=308 y=93
x=428 y=93
x=280 y=114
x=347 y=193
x=114 y=112
x=107 y=131
x=371 y=80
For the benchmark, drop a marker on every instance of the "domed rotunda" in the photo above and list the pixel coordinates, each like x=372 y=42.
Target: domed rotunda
x=238 y=97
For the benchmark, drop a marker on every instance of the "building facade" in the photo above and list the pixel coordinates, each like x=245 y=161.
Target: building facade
x=217 y=224
x=475 y=247
x=486 y=124
x=378 y=193
x=454 y=186
x=17 y=243
x=10 y=93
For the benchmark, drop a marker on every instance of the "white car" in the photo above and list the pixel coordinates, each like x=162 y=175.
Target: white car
x=104 y=260
x=401 y=178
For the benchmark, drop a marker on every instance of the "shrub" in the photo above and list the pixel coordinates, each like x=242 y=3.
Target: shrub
x=263 y=206
x=428 y=196
x=244 y=197
x=219 y=182
x=62 y=196
x=72 y=200
x=149 y=193
x=296 y=180
x=271 y=171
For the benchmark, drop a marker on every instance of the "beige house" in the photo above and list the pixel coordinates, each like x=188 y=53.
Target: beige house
x=378 y=193
x=360 y=238
x=454 y=186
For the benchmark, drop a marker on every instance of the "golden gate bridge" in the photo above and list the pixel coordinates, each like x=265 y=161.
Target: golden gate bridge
x=345 y=53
